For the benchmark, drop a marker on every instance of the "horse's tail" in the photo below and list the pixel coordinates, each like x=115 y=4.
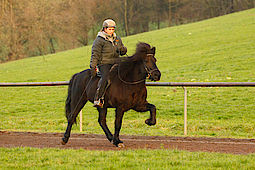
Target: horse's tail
x=76 y=94
x=68 y=99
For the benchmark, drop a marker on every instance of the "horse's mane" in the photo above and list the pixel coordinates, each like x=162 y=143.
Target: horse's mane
x=141 y=50
x=130 y=62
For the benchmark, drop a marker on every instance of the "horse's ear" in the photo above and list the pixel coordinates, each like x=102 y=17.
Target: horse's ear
x=153 y=49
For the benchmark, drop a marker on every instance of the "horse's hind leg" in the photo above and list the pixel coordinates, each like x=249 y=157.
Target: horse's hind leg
x=76 y=108
x=118 y=122
x=102 y=122
x=67 y=133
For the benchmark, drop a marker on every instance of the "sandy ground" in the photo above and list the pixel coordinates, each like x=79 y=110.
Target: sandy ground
x=99 y=142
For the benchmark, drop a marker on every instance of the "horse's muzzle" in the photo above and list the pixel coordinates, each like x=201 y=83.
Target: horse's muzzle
x=155 y=75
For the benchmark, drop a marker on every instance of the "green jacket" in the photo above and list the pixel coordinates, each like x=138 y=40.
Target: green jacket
x=106 y=51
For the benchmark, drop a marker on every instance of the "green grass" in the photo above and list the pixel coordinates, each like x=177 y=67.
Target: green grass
x=219 y=49
x=30 y=158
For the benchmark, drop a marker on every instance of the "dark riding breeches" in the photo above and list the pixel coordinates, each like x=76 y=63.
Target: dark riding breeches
x=102 y=84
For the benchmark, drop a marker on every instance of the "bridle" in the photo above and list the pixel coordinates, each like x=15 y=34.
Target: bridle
x=148 y=71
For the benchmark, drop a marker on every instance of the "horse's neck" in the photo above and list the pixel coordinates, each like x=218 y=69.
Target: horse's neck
x=131 y=71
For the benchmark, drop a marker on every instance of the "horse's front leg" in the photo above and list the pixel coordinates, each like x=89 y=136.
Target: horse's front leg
x=148 y=107
x=152 y=119
x=102 y=122
x=118 y=122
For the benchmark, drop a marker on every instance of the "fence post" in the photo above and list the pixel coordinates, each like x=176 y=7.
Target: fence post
x=81 y=121
x=185 y=111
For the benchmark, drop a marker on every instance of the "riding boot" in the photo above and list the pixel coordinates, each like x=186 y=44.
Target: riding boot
x=99 y=96
x=102 y=85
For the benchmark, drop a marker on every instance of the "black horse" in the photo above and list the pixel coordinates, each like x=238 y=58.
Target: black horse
x=126 y=91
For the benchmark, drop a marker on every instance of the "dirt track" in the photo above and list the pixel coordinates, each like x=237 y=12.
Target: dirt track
x=99 y=142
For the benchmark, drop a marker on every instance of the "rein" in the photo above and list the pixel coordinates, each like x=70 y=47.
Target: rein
x=136 y=82
x=130 y=83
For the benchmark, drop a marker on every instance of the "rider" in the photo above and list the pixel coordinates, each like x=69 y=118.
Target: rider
x=106 y=51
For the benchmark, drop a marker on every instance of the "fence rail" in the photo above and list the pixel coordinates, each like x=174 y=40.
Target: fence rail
x=57 y=83
x=181 y=84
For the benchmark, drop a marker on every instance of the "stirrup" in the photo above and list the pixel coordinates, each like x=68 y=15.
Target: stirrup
x=99 y=103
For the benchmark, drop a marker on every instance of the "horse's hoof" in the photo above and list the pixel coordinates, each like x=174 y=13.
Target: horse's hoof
x=63 y=143
x=121 y=145
x=117 y=143
x=150 y=122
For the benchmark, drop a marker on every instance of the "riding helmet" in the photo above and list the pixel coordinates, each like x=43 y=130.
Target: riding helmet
x=109 y=23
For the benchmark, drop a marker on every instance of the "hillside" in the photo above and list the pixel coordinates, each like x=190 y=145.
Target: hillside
x=218 y=49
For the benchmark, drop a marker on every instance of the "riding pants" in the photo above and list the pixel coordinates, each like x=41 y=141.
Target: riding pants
x=103 y=82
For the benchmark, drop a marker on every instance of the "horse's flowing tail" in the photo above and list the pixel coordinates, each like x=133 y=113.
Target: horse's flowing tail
x=68 y=99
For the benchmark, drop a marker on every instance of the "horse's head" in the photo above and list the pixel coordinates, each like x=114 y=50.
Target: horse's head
x=149 y=60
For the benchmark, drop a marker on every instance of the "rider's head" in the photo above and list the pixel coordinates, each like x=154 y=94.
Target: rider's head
x=109 y=26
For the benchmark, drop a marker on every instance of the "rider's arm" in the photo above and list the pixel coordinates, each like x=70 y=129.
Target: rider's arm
x=96 y=56
x=122 y=48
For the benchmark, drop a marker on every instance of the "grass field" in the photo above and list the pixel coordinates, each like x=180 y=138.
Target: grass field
x=31 y=158
x=219 y=49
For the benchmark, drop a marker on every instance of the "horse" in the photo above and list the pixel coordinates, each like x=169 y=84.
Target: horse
x=126 y=90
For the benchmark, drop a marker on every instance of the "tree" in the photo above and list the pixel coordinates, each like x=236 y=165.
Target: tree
x=38 y=27
x=125 y=17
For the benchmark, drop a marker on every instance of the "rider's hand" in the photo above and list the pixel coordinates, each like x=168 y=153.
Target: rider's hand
x=123 y=50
